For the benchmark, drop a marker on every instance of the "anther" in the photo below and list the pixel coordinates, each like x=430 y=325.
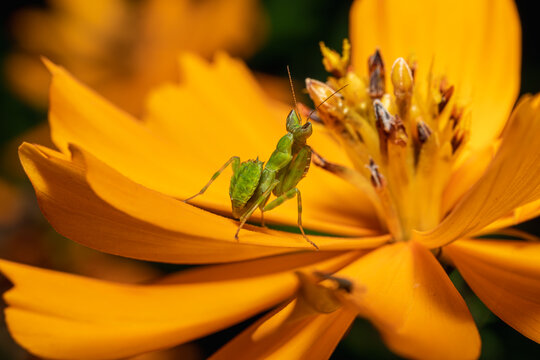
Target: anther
x=377 y=180
x=382 y=116
x=457 y=140
x=376 y=75
x=424 y=132
x=390 y=127
x=456 y=115
x=375 y=61
x=398 y=133
x=446 y=94
x=413 y=67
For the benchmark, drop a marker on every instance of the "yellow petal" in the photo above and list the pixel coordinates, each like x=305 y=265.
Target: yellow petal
x=153 y=207
x=518 y=215
x=506 y=277
x=511 y=180
x=78 y=213
x=137 y=222
x=62 y=316
x=413 y=303
x=477 y=44
x=279 y=335
x=466 y=175
x=78 y=115
x=149 y=156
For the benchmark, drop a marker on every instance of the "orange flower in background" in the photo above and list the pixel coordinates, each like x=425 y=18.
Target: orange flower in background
x=123 y=48
x=428 y=168
x=11 y=207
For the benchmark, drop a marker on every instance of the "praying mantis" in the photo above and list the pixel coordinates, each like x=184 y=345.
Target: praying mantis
x=253 y=182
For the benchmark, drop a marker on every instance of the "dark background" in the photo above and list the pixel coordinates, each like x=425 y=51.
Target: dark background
x=295 y=28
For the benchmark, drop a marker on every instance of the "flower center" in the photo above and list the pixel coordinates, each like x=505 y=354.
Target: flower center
x=403 y=135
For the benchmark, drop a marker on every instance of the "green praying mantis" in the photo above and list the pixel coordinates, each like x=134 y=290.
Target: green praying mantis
x=253 y=182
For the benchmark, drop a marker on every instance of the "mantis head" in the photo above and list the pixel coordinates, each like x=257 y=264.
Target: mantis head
x=295 y=127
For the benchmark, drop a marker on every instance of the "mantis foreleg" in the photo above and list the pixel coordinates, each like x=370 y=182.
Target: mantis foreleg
x=235 y=160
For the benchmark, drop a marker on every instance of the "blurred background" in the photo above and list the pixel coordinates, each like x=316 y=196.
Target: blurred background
x=122 y=49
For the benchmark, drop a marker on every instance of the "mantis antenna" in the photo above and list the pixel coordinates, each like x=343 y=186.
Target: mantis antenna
x=325 y=100
x=292 y=90
x=294 y=96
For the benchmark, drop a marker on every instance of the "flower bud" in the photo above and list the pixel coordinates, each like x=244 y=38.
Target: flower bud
x=329 y=107
x=402 y=78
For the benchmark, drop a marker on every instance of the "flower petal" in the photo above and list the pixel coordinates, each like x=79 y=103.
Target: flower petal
x=466 y=175
x=280 y=335
x=413 y=303
x=63 y=316
x=506 y=277
x=158 y=209
x=78 y=115
x=518 y=215
x=477 y=44
x=511 y=180
x=137 y=222
x=148 y=155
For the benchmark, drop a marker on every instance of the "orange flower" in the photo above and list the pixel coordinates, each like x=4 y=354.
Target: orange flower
x=433 y=182
x=122 y=48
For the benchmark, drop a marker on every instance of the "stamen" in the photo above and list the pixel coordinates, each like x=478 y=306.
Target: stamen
x=446 y=94
x=382 y=116
x=402 y=80
x=457 y=140
x=398 y=134
x=455 y=116
x=413 y=66
x=404 y=178
x=390 y=127
x=376 y=75
x=376 y=178
x=352 y=176
x=386 y=201
x=424 y=132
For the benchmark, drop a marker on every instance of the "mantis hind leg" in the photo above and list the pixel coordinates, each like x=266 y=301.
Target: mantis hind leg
x=235 y=160
x=284 y=197
x=245 y=216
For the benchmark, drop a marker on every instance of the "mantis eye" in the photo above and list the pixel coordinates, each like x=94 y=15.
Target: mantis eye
x=293 y=122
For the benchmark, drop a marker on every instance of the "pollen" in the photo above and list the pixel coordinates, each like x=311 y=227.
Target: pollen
x=402 y=133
